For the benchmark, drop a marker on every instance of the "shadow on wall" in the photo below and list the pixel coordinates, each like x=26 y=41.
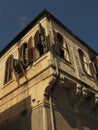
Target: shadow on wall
x=18 y=117
x=66 y=118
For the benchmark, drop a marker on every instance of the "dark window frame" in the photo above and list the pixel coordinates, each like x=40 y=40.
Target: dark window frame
x=62 y=47
x=25 y=58
x=40 y=47
x=84 y=63
x=8 y=69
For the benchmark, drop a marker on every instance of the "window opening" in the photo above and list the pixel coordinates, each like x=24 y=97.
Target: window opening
x=8 y=69
x=62 y=47
x=84 y=62
x=40 y=42
x=23 y=54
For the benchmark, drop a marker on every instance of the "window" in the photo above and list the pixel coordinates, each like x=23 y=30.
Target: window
x=26 y=53
x=26 y=56
x=59 y=44
x=84 y=62
x=22 y=62
x=8 y=69
x=62 y=47
x=66 y=51
x=39 y=40
x=23 y=54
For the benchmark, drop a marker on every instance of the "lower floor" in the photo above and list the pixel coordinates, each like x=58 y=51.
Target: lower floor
x=57 y=112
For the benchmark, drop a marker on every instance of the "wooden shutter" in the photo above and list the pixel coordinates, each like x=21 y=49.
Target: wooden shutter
x=6 y=72
x=23 y=53
x=11 y=67
x=26 y=56
x=41 y=30
x=67 y=54
x=36 y=39
x=57 y=44
x=92 y=68
x=96 y=62
x=48 y=41
x=8 y=69
x=30 y=51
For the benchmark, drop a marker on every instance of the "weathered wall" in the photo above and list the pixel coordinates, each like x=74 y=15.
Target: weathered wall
x=67 y=115
x=24 y=104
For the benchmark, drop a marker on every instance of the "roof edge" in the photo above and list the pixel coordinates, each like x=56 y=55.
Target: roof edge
x=23 y=32
x=32 y=23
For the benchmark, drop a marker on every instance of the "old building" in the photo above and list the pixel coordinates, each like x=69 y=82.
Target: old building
x=48 y=79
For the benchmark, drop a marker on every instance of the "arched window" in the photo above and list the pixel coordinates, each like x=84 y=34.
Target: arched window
x=23 y=53
x=58 y=44
x=84 y=62
x=62 y=47
x=26 y=52
x=59 y=38
x=39 y=40
x=8 y=69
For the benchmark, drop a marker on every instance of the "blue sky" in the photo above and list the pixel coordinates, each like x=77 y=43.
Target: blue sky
x=80 y=16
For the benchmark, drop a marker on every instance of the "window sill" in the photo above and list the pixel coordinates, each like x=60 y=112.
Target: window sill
x=87 y=75
x=66 y=62
x=7 y=83
x=40 y=59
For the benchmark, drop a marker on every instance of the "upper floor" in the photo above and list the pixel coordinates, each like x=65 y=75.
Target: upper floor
x=46 y=43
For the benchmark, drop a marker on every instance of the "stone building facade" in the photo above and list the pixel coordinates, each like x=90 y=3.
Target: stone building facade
x=48 y=79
